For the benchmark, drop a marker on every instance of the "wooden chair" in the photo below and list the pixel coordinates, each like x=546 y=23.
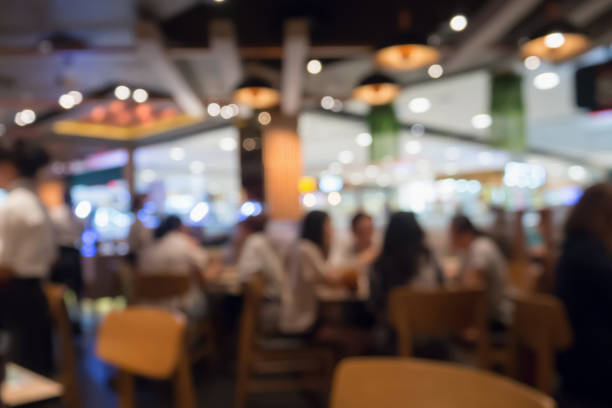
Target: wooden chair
x=540 y=325
x=159 y=288
x=439 y=312
x=61 y=322
x=401 y=383
x=148 y=342
x=313 y=366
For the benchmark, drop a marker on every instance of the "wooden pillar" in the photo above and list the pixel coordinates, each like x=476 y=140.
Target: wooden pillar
x=129 y=172
x=282 y=161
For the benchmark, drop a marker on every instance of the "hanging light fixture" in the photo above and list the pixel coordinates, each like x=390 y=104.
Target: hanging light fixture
x=409 y=51
x=256 y=93
x=557 y=41
x=376 y=89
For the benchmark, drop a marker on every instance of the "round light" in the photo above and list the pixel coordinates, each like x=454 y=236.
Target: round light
x=66 y=101
x=546 y=80
x=419 y=105
x=435 y=71
x=249 y=144
x=213 y=109
x=327 y=102
x=554 y=40
x=417 y=130
x=337 y=106
x=177 y=153
x=577 y=173
x=148 y=175
x=247 y=209
x=413 y=147
x=314 y=66
x=407 y=54
x=376 y=89
x=532 y=63
x=228 y=144
x=83 y=209
x=329 y=183
x=226 y=112
x=257 y=93
x=198 y=212
x=122 y=92
x=309 y=200
x=140 y=95
x=26 y=116
x=235 y=109
x=363 y=139
x=346 y=157
x=76 y=96
x=197 y=167
x=334 y=198
x=307 y=185
x=452 y=153
x=458 y=22
x=481 y=121
x=264 y=118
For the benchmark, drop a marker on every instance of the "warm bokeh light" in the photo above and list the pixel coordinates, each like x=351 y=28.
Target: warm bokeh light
x=122 y=92
x=264 y=118
x=314 y=66
x=140 y=95
x=458 y=22
x=532 y=63
x=435 y=71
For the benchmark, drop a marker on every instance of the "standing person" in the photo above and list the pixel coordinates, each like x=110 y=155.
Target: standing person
x=584 y=284
x=483 y=265
x=139 y=236
x=27 y=253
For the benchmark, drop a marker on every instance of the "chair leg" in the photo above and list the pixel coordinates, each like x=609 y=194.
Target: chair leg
x=125 y=385
x=242 y=389
x=184 y=392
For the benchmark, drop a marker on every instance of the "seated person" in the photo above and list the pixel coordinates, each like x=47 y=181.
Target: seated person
x=482 y=264
x=174 y=252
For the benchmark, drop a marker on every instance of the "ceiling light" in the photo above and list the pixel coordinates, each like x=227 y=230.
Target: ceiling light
x=363 y=139
x=77 y=97
x=177 y=153
x=66 y=101
x=140 y=95
x=264 y=118
x=346 y=157
x=25 y=117
x=226 y=112
x=228 y=144
x=122 y=92
x=419 y=105
x=327 y=102
x=309 y=200
x=197 y=167
x=213 y=109
x=481 y=121
x=458 y=22
x=546 y=80
x=409 y=51
x=376 y=89
x=577 y=173
x=235 y=109
x=554 y=40
x=257 y=93
x=18 y=120
x=337 y=106
x=435 y=71
x=334 y=198
x=314 y=66
x=413 y=147
x=557 y=41
x=532 y=62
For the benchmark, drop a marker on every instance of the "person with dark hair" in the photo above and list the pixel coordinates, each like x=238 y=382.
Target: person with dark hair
x=584 y=285
x=258 y=255
x=175 y=252
x=27 y=253
x=307 y=267
x=405 y=259
x=139 y=236
x=482 y=264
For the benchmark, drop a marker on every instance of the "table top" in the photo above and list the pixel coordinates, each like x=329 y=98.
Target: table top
x=25 y=387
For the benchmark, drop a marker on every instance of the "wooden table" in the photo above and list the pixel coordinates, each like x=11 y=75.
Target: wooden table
x=25 y=387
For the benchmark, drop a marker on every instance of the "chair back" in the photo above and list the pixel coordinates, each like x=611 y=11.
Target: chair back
x=401 y=383
x=438 y=312
x=59 y=316
x=541 y=325
x=253 y=292
x=156 y=288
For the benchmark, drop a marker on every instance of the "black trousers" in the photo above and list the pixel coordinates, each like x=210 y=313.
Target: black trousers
x=68 y=270
x=24 y=315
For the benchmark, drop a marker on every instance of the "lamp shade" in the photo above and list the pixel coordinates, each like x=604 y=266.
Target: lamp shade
x=256 y=93
x=376 y=89
x=557 y=41
x=408 y=51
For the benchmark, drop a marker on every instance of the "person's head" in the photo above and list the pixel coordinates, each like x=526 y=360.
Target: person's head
x=462 y=232
x=138 y=201
x=317 y=228
x=169 y=224
x=20 y=161
x=362 y=226
x=592 y=215
x=254 y=224
x=404 y=245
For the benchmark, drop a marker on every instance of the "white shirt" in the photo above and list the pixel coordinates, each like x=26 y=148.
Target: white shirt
x=67 y=228
x=258 y=255
x=27 y=245
x=484 y=255
x=139 y=236
x=306 y=268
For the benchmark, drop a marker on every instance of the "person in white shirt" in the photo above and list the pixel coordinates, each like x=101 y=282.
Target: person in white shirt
x=482 y=265
x=27 y=253
x=175 y=252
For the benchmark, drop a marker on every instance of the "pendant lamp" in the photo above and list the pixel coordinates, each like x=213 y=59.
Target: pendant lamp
x=256 y=93
x=376 y=89
x=408 y=51
x=556 y=42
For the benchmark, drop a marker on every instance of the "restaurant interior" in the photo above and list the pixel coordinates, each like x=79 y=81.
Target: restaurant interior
x=283 y=203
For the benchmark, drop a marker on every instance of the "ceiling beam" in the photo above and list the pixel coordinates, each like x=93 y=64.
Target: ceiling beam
x=588 y=11
x=495 y=21
x=224 y=47
x=295 y=51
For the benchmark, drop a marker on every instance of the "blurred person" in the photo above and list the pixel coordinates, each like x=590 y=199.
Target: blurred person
x=584 y=284
x=482 y=264
x=27 y=253
x=139 y=236
x=175 y=252
x=405 y=259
